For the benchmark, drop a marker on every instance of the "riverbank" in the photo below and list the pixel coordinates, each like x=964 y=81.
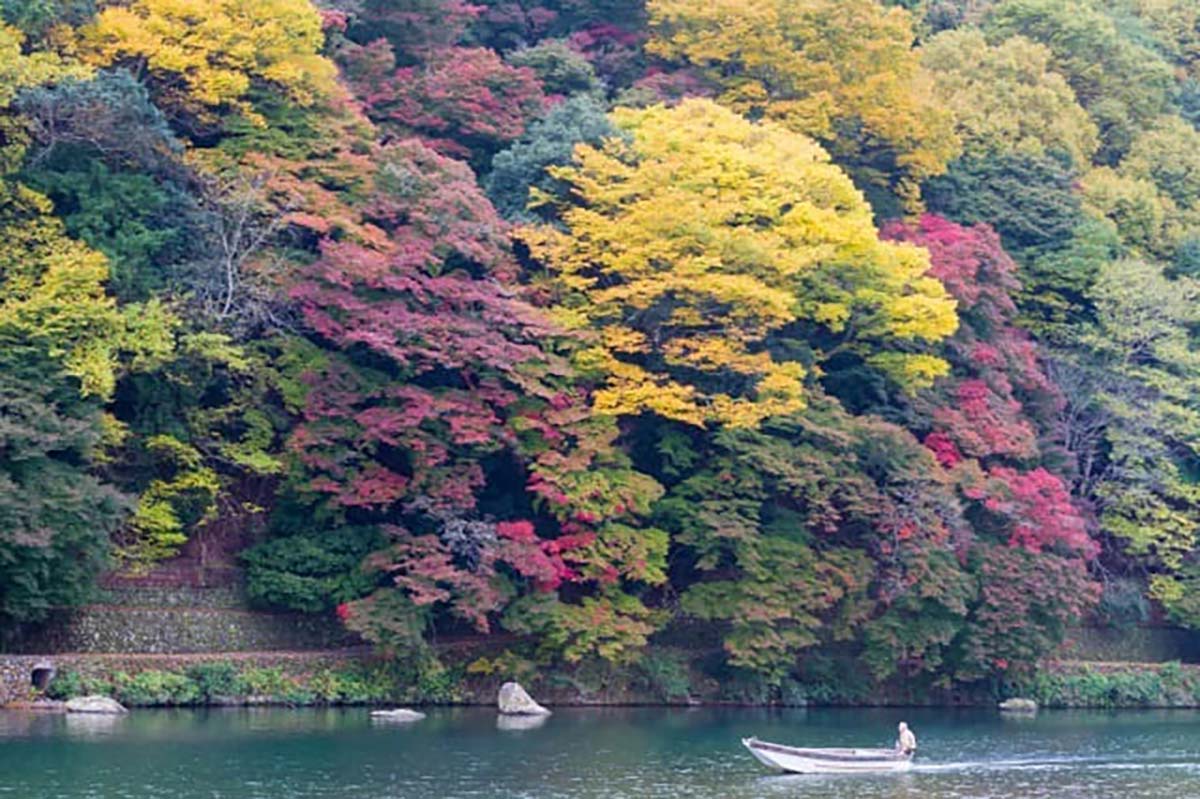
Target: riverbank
x=464 y=676
x=180 y=646
x=1115 y=685
x=186 y=679
x=459 y=675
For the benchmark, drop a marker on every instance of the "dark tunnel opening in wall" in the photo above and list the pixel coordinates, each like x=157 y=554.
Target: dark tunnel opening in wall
x=41 y=676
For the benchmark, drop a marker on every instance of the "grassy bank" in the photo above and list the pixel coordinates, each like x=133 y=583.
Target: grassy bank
x=1114 y=685
x=467 y=675
x=665 y=676
x=225 y=683
x=463 y=677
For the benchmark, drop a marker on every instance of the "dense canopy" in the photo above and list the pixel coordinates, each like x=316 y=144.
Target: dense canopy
x=857 y=336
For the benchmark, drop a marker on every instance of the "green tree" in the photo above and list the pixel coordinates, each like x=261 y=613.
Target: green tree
x=55 y=516
x=37 y=17
x=562 y=70
x=519 y=183
x=1137 y=368
x=1154 y=195
x=1007 y=97
x=1176 y=28
x=817 y=528
x=1168 y=154
x=1056 y=282
x=1123 y=84
x=140 y=224
x=1143 y=217
x=1030 y=200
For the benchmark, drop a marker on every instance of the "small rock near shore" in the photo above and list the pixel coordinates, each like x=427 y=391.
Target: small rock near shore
x=95 y=704
x=515 y=701
x=1019 y=705
x=399 y=714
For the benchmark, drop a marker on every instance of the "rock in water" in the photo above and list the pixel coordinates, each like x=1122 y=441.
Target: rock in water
x=95 y=704
x=400 y=714
x=514 y=701
x=1018 y=705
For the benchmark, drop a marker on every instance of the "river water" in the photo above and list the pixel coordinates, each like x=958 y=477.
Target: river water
x=635 y=753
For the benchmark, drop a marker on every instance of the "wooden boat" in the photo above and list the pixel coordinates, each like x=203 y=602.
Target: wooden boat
x=827 y=761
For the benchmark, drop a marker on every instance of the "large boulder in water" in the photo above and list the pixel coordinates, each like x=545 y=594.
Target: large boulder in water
x=95 y=704
x=1018 y=705
x=514 y=701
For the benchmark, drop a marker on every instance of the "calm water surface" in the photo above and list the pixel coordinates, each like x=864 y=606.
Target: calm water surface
x=581 y=754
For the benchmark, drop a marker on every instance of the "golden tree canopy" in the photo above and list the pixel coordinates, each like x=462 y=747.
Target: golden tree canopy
x=702 y=241
x=218 y=49
x=843 y=71
x=18 y=70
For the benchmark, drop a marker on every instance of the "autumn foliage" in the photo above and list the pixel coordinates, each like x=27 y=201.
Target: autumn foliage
x=842 y=72
x=776 y=238
x=858 y=335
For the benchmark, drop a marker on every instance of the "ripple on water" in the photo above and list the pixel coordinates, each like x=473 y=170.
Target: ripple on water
x=626 y=754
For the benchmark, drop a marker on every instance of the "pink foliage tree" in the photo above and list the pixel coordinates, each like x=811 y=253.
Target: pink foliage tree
x=458 y=100
x=1032 y=542
x=997 y=397
x=435 y=362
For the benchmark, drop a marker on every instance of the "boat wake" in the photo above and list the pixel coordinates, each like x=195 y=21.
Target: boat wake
x=1056 y=764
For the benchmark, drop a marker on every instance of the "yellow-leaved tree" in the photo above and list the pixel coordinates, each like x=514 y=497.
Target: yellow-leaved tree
x=19 y=70
x=716 y=261
x=52 y=287
x=60 y=330
x=843 y=71
x=200 y=55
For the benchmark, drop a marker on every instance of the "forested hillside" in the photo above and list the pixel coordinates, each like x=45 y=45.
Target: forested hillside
x=832 y=324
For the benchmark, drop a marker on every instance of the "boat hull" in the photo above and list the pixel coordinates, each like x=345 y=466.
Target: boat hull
x=827 y=761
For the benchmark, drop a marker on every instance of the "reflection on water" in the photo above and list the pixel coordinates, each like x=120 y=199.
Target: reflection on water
x=519 y=723
x=92 y=725
x=586 y=754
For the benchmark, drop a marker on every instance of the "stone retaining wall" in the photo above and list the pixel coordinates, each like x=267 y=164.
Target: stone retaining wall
x=1134 y=644
x=163 y=630
x=230 y=597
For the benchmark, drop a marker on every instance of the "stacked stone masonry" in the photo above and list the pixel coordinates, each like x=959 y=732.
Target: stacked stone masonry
x=180 y=620
x=116 y=629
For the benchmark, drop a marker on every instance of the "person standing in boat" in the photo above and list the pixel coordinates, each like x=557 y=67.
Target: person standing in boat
x=906 y=742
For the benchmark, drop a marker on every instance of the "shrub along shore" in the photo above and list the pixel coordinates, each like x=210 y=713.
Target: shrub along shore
x=665 y=677
x=223 y=683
